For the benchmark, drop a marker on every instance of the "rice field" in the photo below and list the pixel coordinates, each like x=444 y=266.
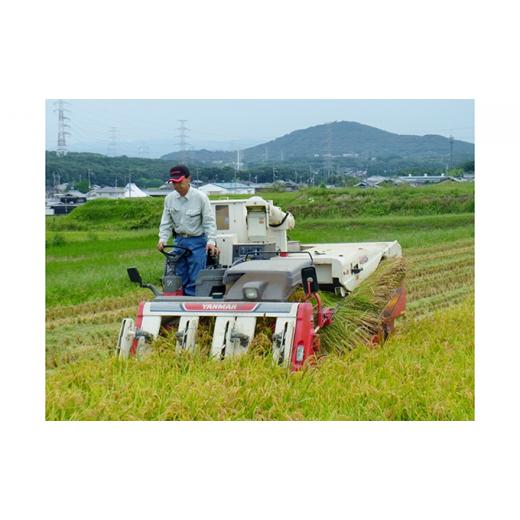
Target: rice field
x=424 y=371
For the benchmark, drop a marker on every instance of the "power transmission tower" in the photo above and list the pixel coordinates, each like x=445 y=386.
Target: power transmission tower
x=63 y=126
x=112 y=143
x=143 y=151
x=182 y=136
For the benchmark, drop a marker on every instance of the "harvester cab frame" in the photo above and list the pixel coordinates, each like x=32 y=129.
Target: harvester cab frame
x=257 y=275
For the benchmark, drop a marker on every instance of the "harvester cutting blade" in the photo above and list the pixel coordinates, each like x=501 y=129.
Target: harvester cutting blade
x=232 y=336
x=125 y=338
x=282 y=340
x=187 y=333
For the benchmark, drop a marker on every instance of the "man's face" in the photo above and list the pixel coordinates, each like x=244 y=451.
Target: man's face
x=182 y=187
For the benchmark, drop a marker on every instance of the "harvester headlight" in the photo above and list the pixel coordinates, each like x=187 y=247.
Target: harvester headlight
x=251 y=293
x=253 y=290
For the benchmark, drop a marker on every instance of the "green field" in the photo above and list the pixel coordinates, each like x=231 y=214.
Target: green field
x=424 y=372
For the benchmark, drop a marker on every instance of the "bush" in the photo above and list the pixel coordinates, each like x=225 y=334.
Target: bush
x=56 y=240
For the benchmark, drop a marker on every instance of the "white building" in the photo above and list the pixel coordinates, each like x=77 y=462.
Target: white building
x=110 y=192
x=227 y=188
x=107 y=192
x=418 y=180
x=132 y=191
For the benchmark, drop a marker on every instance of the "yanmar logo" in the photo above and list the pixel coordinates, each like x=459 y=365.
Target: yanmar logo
x=220 y=307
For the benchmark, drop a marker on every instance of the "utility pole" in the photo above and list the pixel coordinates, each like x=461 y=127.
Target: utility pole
x=328 y=153
x=182 y=136
x=237 y=168
x=451 y=153
x=63 y=127
x=129 y=183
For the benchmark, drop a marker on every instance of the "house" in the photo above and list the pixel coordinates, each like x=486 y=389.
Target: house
x=419 y=180
x=161 y=191
x=107 y=192
x=372 y=182
x=227 y=188
x=366 y=184
x=73 y=197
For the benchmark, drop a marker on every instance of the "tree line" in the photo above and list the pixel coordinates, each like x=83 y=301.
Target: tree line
x=87 y=169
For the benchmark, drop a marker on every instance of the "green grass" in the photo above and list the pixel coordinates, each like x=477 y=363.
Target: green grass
x=139 y=214
x=424 y=372
x=81 y=269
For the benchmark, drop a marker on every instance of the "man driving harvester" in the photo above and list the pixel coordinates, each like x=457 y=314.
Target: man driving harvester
x=187 y=214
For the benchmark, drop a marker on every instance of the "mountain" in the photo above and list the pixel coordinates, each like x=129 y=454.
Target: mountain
x=342 y=138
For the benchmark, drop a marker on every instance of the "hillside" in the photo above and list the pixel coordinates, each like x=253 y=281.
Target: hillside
x=344 y=137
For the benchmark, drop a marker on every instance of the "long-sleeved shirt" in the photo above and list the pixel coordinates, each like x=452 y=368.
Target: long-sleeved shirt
x=189 y=215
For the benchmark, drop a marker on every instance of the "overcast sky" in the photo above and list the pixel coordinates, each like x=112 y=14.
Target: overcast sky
x=229 y=124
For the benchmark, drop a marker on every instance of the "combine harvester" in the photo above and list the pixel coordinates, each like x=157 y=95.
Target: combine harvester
x=258 y=274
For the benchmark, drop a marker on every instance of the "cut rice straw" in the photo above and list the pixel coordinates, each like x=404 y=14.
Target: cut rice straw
x=358 y=316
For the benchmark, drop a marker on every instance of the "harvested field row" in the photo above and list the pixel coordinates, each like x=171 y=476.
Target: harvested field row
x=104 y=304
x=417 y=252
x=442 y=253
x=447 y=267
x=97 y=318
x=440 y=281
x=447 y=298
x=71 y=343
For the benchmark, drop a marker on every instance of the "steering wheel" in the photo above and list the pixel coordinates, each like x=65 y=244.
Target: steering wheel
x=171 y=254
